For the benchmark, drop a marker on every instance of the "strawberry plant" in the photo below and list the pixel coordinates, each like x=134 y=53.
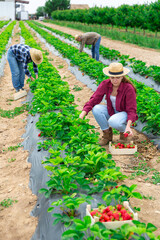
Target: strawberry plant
x=69 y=207
x=121 y=194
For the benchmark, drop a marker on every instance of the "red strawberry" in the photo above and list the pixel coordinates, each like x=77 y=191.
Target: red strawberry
x=125 y=135
x=39 y=134
x=116 y=215
x=106 y=218
x=123 y=211
x=93 y=212
x=83 y=74
x=107 y=209
x=127 y=217
x=110 y=213
x=119 y=206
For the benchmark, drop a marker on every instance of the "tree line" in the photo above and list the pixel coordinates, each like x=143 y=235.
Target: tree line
x=145 y=16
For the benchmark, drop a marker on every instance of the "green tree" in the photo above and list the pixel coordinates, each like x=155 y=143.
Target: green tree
x=53 y=5
x=154 y=17
x=40 y=11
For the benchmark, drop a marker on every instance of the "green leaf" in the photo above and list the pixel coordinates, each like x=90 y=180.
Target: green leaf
x=137 y=195
x=69 y=234
x=151 y=227
x=50 y=209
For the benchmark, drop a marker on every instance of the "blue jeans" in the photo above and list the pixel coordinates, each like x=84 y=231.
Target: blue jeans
x=117 y=121
x=17 y=70
x=95 y=49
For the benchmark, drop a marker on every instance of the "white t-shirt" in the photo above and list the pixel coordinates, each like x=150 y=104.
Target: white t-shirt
x=113 y=100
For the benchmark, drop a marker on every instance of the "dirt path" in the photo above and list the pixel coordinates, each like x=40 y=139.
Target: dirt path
x=16 y=222
x=150 y=56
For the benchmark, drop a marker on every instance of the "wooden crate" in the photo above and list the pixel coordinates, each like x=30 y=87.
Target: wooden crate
x=123 y=151
x=114 y=224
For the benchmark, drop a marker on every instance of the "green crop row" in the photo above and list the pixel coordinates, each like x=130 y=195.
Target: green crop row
x=3 y=23
x=84 y=160
x=137 y=65
x=4 y=38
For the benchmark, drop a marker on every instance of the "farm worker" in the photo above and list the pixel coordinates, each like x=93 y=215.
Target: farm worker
x=121 y=109
x=19 y=56
x=90 y=38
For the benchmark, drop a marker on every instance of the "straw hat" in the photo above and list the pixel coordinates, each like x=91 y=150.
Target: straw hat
x=77 y=36
x=36 y=55
x=115 y=70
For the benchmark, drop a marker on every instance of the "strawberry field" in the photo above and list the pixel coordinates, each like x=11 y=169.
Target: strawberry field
x=67 y=168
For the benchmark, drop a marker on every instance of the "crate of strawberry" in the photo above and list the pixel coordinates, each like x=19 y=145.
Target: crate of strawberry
x=112 y=216
x=122 y=148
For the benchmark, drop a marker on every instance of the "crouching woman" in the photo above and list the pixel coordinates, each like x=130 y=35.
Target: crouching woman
x=121 y=109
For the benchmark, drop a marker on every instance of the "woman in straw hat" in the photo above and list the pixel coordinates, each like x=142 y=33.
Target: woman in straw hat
x=19 y=56
x=121 y=109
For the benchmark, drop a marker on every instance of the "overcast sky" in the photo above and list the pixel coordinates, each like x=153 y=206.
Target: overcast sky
x=34 y=4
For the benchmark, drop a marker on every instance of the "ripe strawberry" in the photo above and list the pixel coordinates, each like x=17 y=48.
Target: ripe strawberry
x=107 y=209
x=119 y=207
x=82 y=74
x=110 y=213
x=106 y=218
x=125 y=135
x=127 y=217
x=123 y=212
x=116 y=215
x=94 y=212
x=39 y=134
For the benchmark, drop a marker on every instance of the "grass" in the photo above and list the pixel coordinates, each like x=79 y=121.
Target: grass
x=13 y=148
x=11 y=160
x=77 y=88
x=7 y=202
x=15 y=112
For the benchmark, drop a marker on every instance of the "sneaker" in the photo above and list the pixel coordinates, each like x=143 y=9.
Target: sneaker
x=17 y=90
x=22 y=89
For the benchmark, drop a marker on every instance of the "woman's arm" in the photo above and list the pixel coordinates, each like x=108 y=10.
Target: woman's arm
x=83 y=114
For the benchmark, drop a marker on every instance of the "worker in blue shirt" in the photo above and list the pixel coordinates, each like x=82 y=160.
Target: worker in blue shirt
x=19 y=56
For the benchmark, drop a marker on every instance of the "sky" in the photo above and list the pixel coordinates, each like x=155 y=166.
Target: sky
x=34 y=4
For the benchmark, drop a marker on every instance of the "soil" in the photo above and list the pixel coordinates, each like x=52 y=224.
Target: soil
x=16 y=222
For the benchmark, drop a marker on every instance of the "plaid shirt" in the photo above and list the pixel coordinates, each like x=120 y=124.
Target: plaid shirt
x=22 y=54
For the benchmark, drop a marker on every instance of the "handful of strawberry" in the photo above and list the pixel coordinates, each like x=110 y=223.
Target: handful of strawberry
x=126 y=134
x=112 y=213
x=121 y=145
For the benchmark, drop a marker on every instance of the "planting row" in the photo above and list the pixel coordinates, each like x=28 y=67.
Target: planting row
x=86 y=167
x=138 y=66
x=3 y=23
x=4 y=38
x=147 y=98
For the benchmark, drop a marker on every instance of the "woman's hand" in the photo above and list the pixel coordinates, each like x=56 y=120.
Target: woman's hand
x=129 y=131
x=32 y=78
x=36 y=76
x=83 y=114
x=128 y=128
